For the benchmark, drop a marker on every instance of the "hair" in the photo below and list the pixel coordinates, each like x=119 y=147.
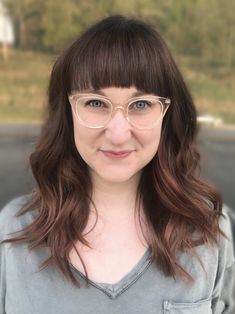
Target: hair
x=121 y=51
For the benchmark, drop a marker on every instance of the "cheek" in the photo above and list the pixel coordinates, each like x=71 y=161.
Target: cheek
x=85 y=141
x=152 y=140
x=81 y=139
x=152 y=149
x=151 y=146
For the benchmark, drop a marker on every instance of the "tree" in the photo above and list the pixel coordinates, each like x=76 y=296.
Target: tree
x=200 y=28
x=26 y=15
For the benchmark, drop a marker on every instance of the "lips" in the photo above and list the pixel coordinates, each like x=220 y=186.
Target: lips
x=116 y=154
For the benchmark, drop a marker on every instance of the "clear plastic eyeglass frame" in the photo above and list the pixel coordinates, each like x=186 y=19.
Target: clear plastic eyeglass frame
x=164 y=102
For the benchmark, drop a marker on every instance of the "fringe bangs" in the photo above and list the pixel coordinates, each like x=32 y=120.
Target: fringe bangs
x=118 y=58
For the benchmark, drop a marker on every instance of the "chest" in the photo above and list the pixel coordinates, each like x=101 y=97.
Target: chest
x=31 y=291
x=115 y=250
x=149 y=293
x=110 y=263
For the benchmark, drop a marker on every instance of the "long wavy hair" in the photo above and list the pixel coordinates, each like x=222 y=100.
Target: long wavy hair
x=121 y=51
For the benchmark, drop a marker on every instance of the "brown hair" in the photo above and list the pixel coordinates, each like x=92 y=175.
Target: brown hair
x=120 y=51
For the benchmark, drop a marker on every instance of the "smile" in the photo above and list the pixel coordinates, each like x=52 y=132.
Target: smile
x=116 y=154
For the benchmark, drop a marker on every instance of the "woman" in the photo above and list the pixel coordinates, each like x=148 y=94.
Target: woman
x=120 y=221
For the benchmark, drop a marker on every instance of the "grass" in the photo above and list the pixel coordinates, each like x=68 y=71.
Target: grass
x=212 y=87
x=24 y=80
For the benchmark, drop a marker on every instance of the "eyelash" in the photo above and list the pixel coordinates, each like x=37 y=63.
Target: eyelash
x=93 y=100
x=145 y=102
x=88 y=103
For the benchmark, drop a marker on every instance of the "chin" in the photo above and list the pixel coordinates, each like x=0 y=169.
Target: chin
x=118 y=177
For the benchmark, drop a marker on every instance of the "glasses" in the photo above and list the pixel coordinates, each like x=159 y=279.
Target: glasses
x=95 y=111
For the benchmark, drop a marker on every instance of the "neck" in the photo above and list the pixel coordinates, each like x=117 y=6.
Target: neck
x=115 y=200
x=115 y=216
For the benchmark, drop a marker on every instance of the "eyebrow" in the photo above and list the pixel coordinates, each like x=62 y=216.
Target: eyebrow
x=99 y=92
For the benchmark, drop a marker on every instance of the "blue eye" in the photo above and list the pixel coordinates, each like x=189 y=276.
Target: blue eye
x=141 y=104
x=95 y=103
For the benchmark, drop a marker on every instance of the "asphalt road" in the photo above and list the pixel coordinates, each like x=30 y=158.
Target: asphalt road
x=15 y=174
x=218 y=162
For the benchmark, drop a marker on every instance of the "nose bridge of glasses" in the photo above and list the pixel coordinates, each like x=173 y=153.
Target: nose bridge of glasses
x=119 y=107
x=116 y=111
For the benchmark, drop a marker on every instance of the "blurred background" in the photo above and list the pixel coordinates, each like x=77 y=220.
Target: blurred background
x=200 y=34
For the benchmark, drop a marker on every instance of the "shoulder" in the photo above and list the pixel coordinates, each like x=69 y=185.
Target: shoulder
x=220 y=255
x=226 y=244
x=9 y=221
x=224 y=283
x=225 y=221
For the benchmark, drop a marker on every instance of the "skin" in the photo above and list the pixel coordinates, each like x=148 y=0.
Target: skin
x=118 y=135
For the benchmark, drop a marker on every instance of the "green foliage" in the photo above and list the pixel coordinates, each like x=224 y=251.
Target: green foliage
x=26 y=16
x=205 y=29
x=58 y=23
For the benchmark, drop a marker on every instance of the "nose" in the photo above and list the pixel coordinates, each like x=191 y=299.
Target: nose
x=118 y=130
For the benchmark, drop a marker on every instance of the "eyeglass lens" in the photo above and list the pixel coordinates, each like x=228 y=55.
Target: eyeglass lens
x=96 y=112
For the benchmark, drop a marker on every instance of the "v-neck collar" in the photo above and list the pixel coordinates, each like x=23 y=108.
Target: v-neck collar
x=114 y=290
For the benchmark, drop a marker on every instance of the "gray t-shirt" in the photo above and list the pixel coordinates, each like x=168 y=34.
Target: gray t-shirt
x=144 y=290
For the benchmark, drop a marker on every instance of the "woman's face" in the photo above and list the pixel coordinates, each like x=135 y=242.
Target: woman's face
x=117 y=152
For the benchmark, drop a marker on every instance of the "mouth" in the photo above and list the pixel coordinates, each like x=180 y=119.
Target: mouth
x=116 y=154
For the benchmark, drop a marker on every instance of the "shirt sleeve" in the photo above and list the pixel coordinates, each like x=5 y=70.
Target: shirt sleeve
x=2 y=273
x=6 y=226
x=2 y=281
x=223 y=299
